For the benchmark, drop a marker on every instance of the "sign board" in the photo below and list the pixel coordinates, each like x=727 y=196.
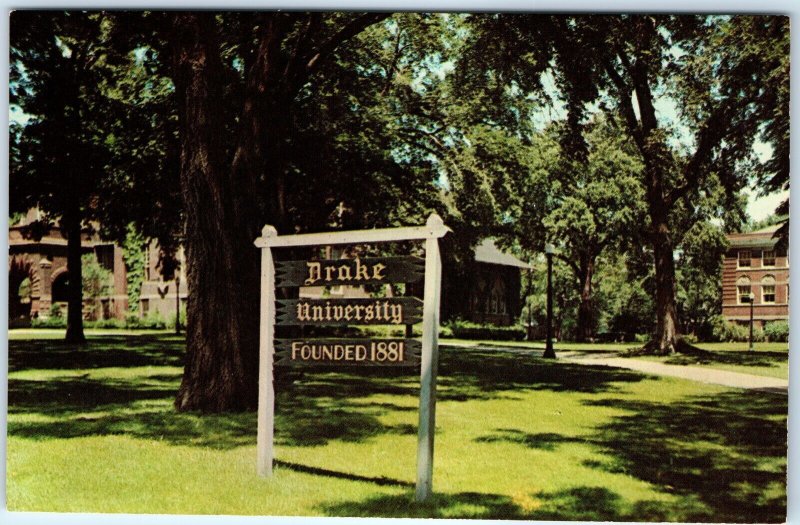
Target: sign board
x=333 y=272
x=323 y=312
x=343 y=312
x=344 y=352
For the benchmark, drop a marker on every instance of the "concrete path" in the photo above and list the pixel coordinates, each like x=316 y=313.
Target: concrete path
x=693 y=373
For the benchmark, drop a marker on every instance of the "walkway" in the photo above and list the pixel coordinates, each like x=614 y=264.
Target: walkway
x=692 y=373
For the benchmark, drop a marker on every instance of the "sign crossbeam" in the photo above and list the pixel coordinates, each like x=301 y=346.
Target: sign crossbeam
x=386 y=352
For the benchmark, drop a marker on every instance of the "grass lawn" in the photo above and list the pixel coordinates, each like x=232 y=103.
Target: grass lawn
x=92 y=429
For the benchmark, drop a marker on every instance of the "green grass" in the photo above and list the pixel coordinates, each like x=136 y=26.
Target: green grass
x=92 y=429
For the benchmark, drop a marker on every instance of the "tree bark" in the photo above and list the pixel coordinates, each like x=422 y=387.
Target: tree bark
x=667 y=336
x=222 y=325
x=72 y=225
x=585 y=328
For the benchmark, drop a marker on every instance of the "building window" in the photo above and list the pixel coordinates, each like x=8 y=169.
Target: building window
x=744 y=258
x=145 y=306
x=768 y=258
x=743 y=290
x=768 y=290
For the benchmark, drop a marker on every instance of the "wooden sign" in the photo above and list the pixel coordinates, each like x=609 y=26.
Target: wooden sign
x=341 y=312
x=392 y=311
x=333 y=272
x=347 y=352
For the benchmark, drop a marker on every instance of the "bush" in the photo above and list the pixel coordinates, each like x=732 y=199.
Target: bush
x=777 y=332
x=50 y=322
x=105 y=323
x=152 y=321
x=468 y=330
x=725 y=331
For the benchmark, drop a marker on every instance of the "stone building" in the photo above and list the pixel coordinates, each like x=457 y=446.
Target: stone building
x=38 y=275
x=486 y=290
x=754 y=264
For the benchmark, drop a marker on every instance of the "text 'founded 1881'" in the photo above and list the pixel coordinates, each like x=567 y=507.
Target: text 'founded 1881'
x=377 y=352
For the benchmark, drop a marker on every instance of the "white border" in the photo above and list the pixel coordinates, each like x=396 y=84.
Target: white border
x=789 y=7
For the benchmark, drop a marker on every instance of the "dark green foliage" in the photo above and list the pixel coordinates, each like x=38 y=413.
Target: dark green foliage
x=726 y=331
x=468 y=330
x=777 y=331
x=135 y=256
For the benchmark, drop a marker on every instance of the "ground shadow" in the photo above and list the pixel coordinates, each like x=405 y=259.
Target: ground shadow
x=98 y=352
x=761 y=358
x=312 y=409
x=728 y=450
x=577 y=504
x=722 y=456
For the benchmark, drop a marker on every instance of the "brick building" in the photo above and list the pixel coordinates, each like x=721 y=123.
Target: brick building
x=38 y=276
x=754 y=264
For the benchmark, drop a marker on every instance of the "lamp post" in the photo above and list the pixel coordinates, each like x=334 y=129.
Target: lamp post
x=549 y=250
x=177 y=303
x=752 y=301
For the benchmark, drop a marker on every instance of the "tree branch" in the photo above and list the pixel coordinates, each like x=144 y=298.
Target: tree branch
x=347 y=32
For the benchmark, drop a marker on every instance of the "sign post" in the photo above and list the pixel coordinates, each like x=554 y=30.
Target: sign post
x=266 y=386
x=430 y=362
x=402 y=311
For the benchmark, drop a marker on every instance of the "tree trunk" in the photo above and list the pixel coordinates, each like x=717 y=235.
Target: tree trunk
x=585 y=328
x=666 y=338
x=222 y=265
x=72 y=225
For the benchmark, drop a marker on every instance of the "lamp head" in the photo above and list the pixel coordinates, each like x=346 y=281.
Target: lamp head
x=549 y=249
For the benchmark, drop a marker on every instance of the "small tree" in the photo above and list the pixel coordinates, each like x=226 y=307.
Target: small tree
x=97 y=282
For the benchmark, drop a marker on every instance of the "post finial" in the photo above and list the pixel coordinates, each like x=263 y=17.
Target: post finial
x=267 y=232
x=436 y=225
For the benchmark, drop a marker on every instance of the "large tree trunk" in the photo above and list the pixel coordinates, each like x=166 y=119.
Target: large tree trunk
x=585 y=328
x=667 y=337
x=72 y=225
x=222 y=265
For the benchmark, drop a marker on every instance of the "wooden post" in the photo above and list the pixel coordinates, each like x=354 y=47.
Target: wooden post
x=266 y=388
x=429 y=362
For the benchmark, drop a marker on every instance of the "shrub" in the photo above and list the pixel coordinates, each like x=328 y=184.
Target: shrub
x=106 y=323
x=777 y=332
x=725 y=331
x=468 y=330
x=152 y=321
x=50 y=322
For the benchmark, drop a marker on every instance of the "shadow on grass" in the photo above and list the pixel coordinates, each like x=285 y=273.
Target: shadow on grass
x=722 y=456
x=577 y=504
x=319 y=407
x=727 y=450
x=99 y=352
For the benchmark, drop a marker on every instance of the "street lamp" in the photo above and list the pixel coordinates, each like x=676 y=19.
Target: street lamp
x=177 y=303
x=549 y=250
x=752 y=297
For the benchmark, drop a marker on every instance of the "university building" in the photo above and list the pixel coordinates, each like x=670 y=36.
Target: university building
x=484 y=290
x=755 y=265
x=38 y=275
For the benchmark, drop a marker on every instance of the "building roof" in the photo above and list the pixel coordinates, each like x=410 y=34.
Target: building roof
x=487 y=252
x=760 y=238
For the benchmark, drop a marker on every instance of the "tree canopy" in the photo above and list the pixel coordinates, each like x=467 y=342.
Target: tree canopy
x=627 y=140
